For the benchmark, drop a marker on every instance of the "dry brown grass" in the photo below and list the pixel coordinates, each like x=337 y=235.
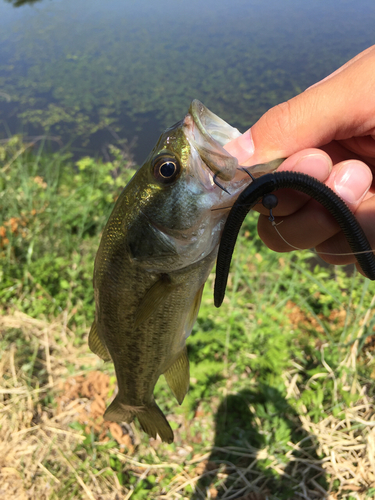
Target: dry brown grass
x=33 y=434
x=347 y=446
x=38 y=446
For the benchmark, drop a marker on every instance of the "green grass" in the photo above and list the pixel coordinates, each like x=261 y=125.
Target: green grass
x=282 y=375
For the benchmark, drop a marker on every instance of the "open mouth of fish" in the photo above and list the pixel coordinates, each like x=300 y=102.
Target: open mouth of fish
x=208 y=133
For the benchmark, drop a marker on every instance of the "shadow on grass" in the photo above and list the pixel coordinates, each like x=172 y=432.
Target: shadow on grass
x=251 y=458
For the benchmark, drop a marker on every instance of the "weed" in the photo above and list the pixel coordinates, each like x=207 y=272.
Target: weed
x=282 y=375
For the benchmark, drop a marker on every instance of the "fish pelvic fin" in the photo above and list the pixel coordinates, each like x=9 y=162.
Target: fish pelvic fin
x=96 y=344
x=150 y=417
x=178 y=376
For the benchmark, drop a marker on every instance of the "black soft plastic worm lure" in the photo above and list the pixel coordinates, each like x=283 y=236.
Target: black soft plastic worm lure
x=306 y=184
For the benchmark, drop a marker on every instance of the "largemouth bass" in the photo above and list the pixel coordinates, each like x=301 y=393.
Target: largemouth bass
x=156 y=252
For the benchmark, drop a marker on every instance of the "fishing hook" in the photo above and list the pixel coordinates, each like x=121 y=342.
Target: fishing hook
x=262 y=187
x=219 y=185
x=244 y=169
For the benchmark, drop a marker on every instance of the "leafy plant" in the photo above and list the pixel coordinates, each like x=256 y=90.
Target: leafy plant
x=285 y=362
x=52 y=211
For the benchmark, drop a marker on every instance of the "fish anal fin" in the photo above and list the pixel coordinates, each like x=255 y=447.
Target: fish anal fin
x=152 y=299
x=151 y=418
x=178 y=376
x=96 y=345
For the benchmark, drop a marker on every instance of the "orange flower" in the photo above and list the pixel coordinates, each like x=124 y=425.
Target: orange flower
x=13 y=221
x=39 y=180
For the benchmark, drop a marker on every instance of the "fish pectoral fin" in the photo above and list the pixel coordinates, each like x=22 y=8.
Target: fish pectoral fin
x=96 y=345
x=178 y=376
x=193 y=313
x=151 y=418
x=153 y=298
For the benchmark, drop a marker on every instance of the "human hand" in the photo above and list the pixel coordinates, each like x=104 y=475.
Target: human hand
x=336 y=115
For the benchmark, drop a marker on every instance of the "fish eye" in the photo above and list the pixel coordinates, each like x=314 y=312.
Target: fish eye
x=166 y=169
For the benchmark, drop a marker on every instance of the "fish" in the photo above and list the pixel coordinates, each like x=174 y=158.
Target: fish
x=156 y=252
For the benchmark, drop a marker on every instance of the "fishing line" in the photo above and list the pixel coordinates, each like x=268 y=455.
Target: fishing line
x=315 y=252
x=221 y=208
x=274 y=224
x=261 y=189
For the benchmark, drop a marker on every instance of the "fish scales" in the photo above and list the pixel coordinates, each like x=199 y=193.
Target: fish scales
x=156 y=252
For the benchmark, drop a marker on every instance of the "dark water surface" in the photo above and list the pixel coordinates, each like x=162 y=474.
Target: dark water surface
x=94 y=71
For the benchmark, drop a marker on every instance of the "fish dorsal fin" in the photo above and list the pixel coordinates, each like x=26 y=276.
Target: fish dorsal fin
x=153 y=298
x=96 y=345
x=178 y=376
x=193 y=313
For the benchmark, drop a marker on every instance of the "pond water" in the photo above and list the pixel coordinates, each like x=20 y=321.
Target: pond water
x=97 y=72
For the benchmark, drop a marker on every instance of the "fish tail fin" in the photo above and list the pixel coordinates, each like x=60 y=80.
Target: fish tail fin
x=153 y=422
x=118 y=412
x=151 y=418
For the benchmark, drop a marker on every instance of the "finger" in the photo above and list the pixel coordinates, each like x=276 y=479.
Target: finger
x=351 y=180
x=338 y=244
x=337 y=152
x=364 y=147
x=312 y=224
x=336 y=109
x=306 y=228
x=309 y=161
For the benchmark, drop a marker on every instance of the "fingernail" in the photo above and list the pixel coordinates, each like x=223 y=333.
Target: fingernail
x=243 y=147
x=316 y=165
x=352 y=181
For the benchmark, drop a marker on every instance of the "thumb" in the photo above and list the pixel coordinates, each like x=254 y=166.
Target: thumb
x=339 y=107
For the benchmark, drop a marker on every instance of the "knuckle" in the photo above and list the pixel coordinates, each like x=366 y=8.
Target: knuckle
x=278 y=121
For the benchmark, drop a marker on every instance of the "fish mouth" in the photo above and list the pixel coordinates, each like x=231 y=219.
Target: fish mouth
x=208 y=133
